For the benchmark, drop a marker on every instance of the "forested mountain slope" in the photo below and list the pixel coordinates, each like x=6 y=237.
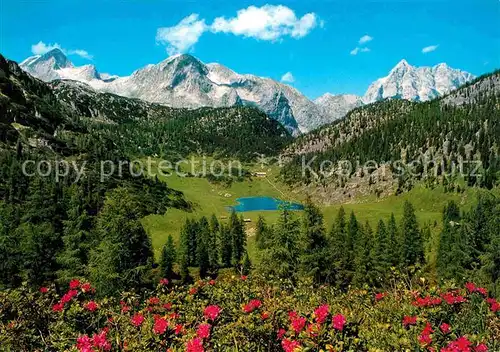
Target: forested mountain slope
x=464 y=125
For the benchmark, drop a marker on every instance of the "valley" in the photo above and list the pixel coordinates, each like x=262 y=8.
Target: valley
x=405 y=219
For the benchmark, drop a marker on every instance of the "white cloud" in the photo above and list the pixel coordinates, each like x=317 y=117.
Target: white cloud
x=429 y=49
x=268 y=22
x=41 y=48
x=365 y=39
x=357 y=50
x=288 y=78
x=183 y=36
x=82 y=53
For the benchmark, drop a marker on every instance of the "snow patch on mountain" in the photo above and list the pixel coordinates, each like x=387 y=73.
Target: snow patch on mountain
x=416 y=83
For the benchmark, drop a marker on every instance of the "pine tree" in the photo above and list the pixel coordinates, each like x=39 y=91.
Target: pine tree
x=168 y=258
x=184 y=251
x=394 y=244
x=260 y=233
x=247 y=264
x=238 y=238
x=39 y=247
x=313 y=239
x=226 y=246
x=10 y=256
x=124 y=254
x=214 y=248
x=364 y=273
x=281 y=258
x=192 y=231
x=338 y=253
x=382 y=259
x=353 y=231
x=76 y=235
x=412 y=244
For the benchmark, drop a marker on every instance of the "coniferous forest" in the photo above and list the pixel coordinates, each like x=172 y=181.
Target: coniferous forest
x=78 y=271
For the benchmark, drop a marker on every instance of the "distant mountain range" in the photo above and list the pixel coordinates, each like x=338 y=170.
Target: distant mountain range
x=183 y=81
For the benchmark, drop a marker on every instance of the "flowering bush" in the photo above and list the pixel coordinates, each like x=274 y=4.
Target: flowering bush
x=249 y=315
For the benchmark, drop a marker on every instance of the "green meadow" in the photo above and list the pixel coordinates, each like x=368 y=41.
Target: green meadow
x=212 y=198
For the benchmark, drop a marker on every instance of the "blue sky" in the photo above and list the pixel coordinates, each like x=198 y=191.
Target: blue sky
x=313 y=40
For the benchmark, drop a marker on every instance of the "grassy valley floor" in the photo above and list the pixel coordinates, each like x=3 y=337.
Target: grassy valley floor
x=213 y=198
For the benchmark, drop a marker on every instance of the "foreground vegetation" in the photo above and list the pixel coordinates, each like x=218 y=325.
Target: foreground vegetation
x=250 y=314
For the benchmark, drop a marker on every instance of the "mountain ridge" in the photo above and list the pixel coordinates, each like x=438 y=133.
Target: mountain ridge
x=183 y=81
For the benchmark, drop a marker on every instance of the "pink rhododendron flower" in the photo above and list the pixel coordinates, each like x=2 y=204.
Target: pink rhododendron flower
x=321 y=313
x=408 y=320
x=290 y=345
x=203 y=331
x=445 y=328
x=380 y=296
x=212 y=312
x=298 y=324
x=160 y=326
x=91 y=306
x=58 y=307
x=44 y=289
x=195 y=345
x=164 y=282
x=86 y=287
x=84 y=344
x=137 y=319
x=481 y=348
x=338 y=322
x=281 y=332
x=74 y=284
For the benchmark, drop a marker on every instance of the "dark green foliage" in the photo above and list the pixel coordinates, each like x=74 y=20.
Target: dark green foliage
x=281 y=258
x=394 y=246
x=382 y=252
x=226 y=248
x=202 y=237
x=364 y=273
x=239 y=132
x=247 y=265
x=338 y=254
x=184 y=253
x=76 y=237
x=412 y=247
x=168 y=258
x=313 y=261
x=10 y=255
x=124 y=254
x=397 y=131
x=260 y=232
x=238 y=238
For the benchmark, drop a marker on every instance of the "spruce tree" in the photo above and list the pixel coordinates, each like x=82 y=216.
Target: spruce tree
x=382 y=259
x=412 y=244
x=184 y=251
x=363 y=272
x=238 y=238
x=313 y=259
x=353 y=232
x=247 y=264
x=124 y=255
x=281 y=257
x=338 y=253
x=226 y=246
x=10 y=255
x=76 y=236
x=214 y=249
x=168 y=258
x=394 y=244
x=260 y=233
